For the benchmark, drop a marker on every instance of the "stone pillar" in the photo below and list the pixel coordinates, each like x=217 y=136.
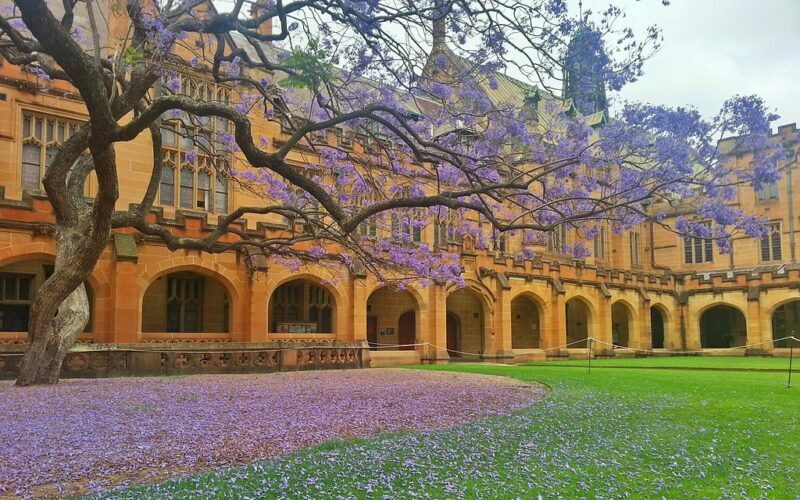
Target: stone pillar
x=127 y=317
x=502 y=325
x=755 y=334
x=359 y=313
x=601 y=323
x=692 y=325
x=554 y=333
x=435 y=332
x=257 y=310
x=644 y=327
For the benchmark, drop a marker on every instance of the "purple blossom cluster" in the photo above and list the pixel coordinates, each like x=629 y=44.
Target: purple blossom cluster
x=91 y=435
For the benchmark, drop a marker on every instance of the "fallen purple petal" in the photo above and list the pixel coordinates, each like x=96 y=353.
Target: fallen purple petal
x=92 y=435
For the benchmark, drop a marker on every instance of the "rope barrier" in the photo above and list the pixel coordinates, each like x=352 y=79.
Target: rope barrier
x=700 y=351
x=419 y=344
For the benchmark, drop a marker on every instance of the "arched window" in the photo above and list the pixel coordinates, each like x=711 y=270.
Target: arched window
x=185 y=302
x=301 y=306
x=722 y=326
x=786 y=323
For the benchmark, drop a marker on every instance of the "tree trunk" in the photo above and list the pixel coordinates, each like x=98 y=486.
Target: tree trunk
x=60 y=310
x=46 y=350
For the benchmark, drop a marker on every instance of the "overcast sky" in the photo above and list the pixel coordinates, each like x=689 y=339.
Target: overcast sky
x=714 y=49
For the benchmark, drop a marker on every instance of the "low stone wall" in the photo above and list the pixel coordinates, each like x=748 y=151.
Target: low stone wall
x=98 y=361
x=382 y=359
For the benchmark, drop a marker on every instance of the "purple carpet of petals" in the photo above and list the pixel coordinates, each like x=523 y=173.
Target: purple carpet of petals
x=90 y=435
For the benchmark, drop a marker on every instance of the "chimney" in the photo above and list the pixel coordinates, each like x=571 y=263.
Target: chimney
x=256 y=9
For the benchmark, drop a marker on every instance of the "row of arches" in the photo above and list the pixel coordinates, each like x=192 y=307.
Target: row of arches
x=190 y=302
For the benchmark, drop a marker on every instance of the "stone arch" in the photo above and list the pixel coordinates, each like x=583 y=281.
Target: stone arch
x=579 y=315
x=97 y=279
x=26 y=272
x=622 y=323
x=527 y=318
x=393 y=318
x=722 y=325
x=785 y=322
x=469 y=311
x=303 y=304
x=187 y=299
x=659 y=325
x=215 y=271
x=422 y=301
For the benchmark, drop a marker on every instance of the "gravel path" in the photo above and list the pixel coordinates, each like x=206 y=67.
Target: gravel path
x=91 y=435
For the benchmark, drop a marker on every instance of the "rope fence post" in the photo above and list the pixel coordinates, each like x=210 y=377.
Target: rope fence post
x=589 y=343
x=792 y=340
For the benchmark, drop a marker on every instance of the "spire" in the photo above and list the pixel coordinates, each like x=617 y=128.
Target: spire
x=440 y=11
x=584 y=70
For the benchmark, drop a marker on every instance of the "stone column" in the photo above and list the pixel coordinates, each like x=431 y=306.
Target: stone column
x=127 y=316
x=435 y=331
x=256 y=311
x=554 y=333
x=644 y=328
x=502 y=325
x=692 y=325
x=601 y=323
x=359 y=311
x=755 y=334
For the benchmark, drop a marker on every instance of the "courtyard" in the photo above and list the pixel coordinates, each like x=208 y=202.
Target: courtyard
x=694 y=426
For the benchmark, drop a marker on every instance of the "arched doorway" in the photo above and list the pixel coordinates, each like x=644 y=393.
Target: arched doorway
x=621 y=319
x=392 y=319
x=786 y=323
x=657 y=327
x=301 y=306
x=525 y=323
x=722 y=326
x=467 y=325
x=407 y=330
x=453 y=335
x=19 y=283
x=185 y=302
x=578 y=317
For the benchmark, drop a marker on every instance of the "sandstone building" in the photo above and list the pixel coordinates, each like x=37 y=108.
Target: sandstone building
x=647 y=290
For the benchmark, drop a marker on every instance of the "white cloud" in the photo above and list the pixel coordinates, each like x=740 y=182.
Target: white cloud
x=715 y=49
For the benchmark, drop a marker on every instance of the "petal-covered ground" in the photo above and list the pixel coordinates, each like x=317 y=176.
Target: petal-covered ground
x=90 y=435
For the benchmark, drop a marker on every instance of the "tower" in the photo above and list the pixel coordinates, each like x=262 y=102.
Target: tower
x=585 y=64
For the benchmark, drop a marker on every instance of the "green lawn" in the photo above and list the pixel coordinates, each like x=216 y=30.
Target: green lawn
x=634 y=433
x=696 y=362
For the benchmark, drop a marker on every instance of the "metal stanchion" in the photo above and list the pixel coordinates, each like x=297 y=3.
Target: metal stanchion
x=791 y=355
x=589 y=342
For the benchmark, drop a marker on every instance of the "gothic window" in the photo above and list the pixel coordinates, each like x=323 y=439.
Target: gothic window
x=444 y=232
x=15 y=301
x=301 y=306
x=767 y=192
x=221 y=193
x=697 y=250
x=184 y=303
x=187 y=187
x=600 y=244
x=557 y=239
x=320 y=308
x=636 y=249
x=771 y=243
x=196 y=141
x=41 y=137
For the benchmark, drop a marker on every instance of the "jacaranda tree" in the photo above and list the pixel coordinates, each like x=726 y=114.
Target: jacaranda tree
x=445 y=136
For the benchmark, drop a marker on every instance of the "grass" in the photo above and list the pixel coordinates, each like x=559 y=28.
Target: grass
x=687 y=362
x=627 y=432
